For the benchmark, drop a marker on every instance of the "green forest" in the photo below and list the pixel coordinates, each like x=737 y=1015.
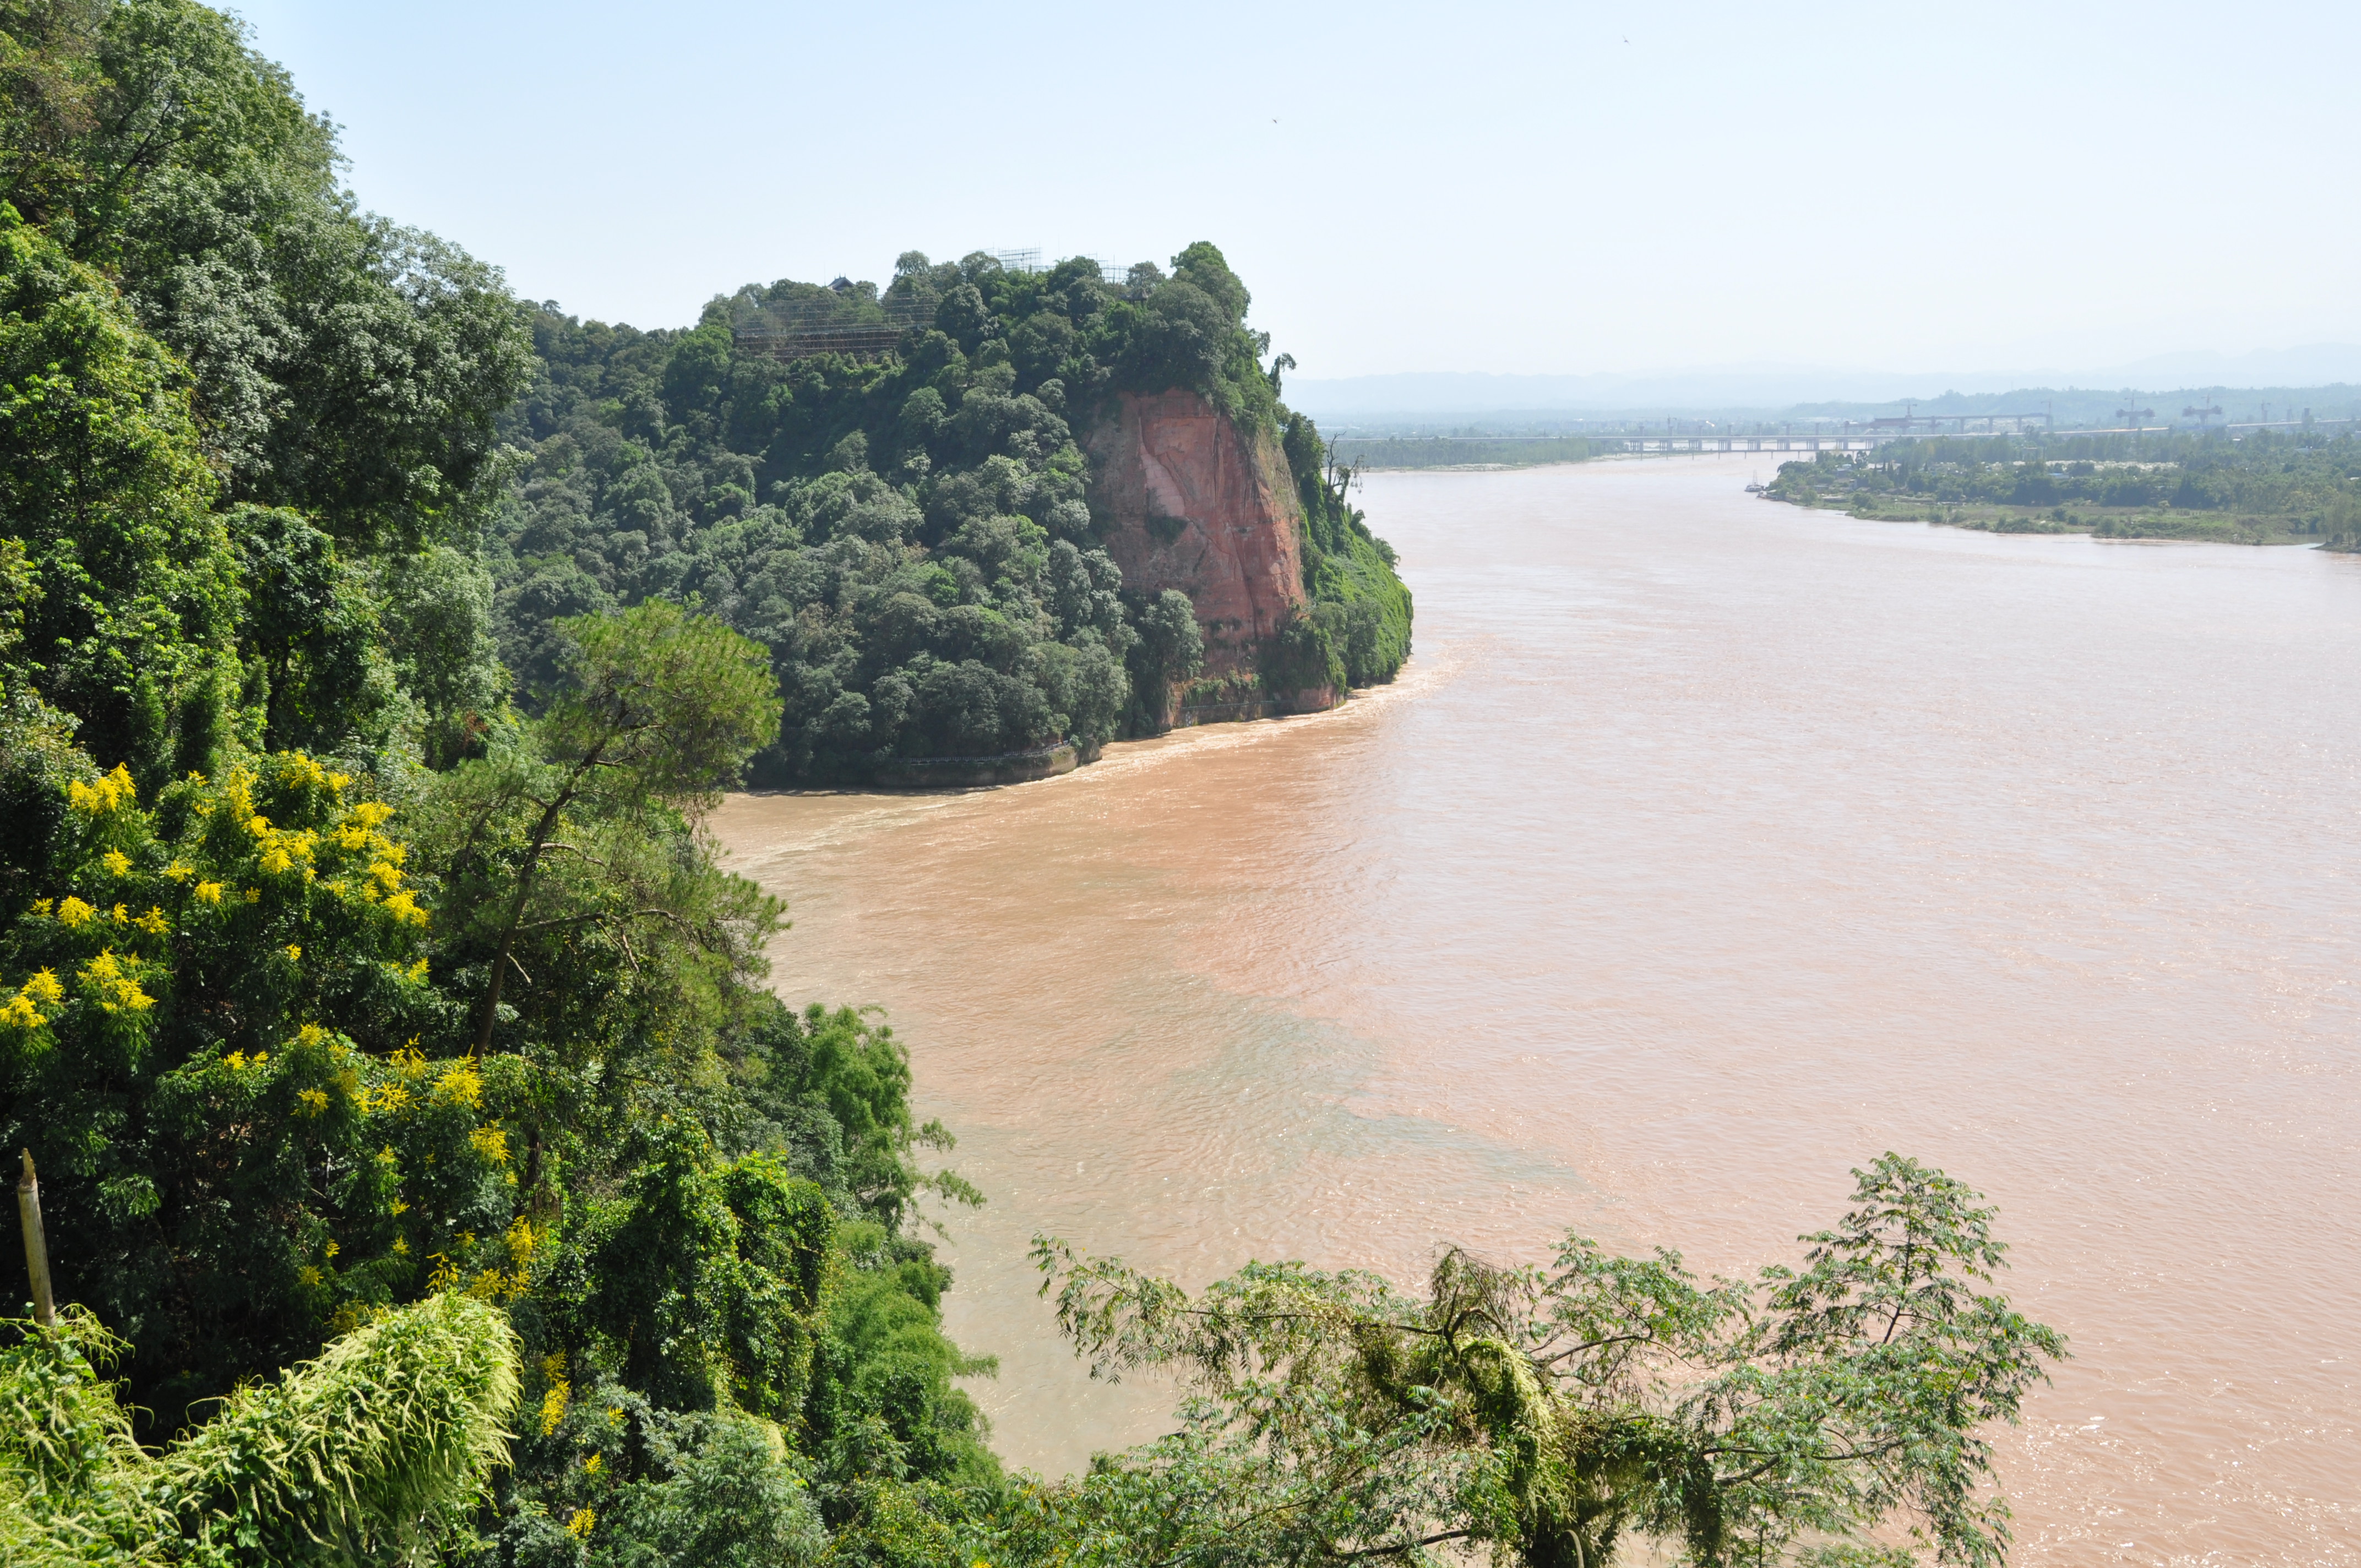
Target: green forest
x=428 y=1172
x=909 y=534
x=2271 y=486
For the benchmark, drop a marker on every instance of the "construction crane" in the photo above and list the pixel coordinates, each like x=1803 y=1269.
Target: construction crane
x=2135 y=414
x=2201 y=415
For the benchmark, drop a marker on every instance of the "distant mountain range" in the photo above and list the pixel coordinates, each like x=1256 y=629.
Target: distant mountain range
x=1767 y=387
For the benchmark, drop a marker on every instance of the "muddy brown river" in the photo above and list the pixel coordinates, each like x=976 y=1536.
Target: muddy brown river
x=1707 y=848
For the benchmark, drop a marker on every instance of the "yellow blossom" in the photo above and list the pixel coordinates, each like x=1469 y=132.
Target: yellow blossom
x=491 y=1143
x=522 y=1240
x=590 y=1465
x=19 y=1013
x=115 y=789
x=583 y=1522
x=418 y=972
x=460 y=1084
x=404 y=907
x=401 y=1243
x=369 y=813
x=399 y=1208
x=553 y=1405
x=73 y=914
x=315 y=1101
x=209 y=893
x=252 y=896
x=118 y=992
x=117 y=862
x=153 y=922
x=235 y=1061
x=44 y=988
x=180 y=870
x=41 y=907
x=294 y=953
x=308 y=1275
x=122 y=915
x=259 y=826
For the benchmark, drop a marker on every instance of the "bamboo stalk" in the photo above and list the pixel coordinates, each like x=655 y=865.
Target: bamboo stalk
x=37 y=1246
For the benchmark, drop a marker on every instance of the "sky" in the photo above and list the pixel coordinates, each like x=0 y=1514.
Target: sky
x=1566 y=190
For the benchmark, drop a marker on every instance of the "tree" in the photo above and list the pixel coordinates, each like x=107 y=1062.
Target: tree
x=130 y=593
x=1552 y=1413
x=1171 y=650
x=661 y=712
x=345 y=367
x=209 y=1038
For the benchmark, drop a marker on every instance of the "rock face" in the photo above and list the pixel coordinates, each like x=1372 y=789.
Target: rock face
x=1200 y=506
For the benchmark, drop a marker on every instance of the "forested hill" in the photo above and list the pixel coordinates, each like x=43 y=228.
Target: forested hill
x=909 y=533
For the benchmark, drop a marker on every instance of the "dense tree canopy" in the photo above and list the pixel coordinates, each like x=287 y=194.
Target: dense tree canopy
x=910 y=536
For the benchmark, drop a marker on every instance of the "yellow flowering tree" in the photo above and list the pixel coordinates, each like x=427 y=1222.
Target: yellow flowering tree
x=208 y=1027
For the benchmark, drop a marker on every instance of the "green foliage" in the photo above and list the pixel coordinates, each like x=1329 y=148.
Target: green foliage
x=345 y=368
x=206 y=1045
x=2279 y=487
x=375 y=1448
x=1553 y=1412
x=660 y=712
x=700 y=1287
x=909 y=536
x=1358 y=630
x=298 y=1041
x=1171 y=650
x=128 y=592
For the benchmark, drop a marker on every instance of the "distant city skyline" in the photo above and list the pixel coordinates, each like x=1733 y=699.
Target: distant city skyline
x=1512 y=189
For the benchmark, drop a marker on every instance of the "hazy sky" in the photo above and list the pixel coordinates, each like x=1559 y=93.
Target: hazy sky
x=1572 y=189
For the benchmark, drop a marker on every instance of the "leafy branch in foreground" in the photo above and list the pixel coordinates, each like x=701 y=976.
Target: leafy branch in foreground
x=1825 y=1413
x=377 y=1446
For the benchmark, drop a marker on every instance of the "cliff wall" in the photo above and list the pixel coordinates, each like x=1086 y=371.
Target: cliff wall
x=1194 y=503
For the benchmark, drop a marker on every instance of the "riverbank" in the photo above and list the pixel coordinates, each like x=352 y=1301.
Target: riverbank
x=2098 y=522
x=2299 y=487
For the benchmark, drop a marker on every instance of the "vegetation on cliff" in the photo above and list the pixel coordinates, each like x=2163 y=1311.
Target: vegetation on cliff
x=911 y=534
x=272 y=829
x=2259 y=487
x=420 y=1142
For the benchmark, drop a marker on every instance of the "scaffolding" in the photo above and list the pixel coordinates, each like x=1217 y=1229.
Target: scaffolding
x=810 y=329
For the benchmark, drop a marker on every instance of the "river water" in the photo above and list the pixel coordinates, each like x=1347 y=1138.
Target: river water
x=1707 y=848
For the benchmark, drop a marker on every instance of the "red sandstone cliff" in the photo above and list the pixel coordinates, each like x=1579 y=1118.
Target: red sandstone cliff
x=1198 y=505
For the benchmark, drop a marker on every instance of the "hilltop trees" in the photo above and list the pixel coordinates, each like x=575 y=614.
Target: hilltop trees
x=909 y=536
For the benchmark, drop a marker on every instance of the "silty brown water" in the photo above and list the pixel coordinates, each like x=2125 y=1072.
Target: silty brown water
x=1708 y=849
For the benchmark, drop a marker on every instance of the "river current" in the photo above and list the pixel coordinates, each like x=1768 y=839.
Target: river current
x=1707 y=848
